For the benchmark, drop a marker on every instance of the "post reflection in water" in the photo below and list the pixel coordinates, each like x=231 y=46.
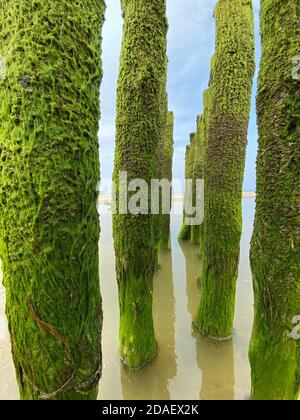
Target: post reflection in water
x=152 y=382
x=214 y=359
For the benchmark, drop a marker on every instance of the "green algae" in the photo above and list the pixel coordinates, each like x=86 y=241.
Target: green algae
x=185 y=231
x=205 y=122
x=275 y=248
x=161 y=163
x=193 y=172
x=49 y=171
x=139 y=128
x=168 y=150
x=224 y=160
x=197 y=175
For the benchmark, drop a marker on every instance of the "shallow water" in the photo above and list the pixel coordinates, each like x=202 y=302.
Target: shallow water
x=187 y=366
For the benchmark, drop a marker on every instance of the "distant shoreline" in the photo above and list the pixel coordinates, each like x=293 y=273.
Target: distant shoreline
x=106 y=199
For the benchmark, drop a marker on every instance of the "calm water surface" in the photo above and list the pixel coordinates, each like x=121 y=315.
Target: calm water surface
x=187 y=366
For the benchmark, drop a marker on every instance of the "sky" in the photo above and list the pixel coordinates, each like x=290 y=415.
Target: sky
x=191 y=44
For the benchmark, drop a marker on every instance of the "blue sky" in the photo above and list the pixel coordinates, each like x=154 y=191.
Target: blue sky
x=191 y=44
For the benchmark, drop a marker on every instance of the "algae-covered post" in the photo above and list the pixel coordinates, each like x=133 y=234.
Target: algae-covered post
x=197 y=175
x=275 y=251
x=158 y=190
x=205 y=123
x=139 y=126
x=164 y=241
x=230 y=92
x=49 y=171
x=185 y=231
